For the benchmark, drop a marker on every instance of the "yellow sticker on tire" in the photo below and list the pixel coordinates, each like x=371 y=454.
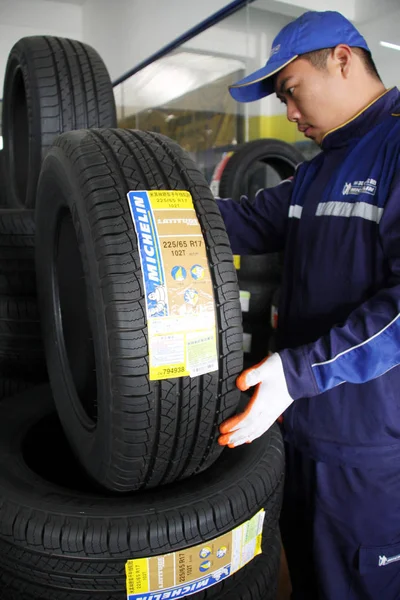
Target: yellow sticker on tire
x=178 y=288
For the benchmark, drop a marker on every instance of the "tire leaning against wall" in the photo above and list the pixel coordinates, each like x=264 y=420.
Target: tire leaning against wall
x=128 y=431
x=51 y=85
x=61 y=538
x=283 y=158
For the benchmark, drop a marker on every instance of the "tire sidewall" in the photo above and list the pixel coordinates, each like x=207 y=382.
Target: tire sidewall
x=219 y=489
x=61 y=184
x=19 y=61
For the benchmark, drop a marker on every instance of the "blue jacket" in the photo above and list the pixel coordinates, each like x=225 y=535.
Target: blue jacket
x=338 y=223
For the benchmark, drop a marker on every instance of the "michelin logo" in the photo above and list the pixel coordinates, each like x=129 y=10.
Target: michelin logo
x=186 y=589
x=179 y=592
x=383 y=560
x=141 y=214
x=360 y=187
x=150 y=254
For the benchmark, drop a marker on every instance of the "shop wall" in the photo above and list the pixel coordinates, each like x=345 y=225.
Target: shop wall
x=385 y=27
x=128 y=31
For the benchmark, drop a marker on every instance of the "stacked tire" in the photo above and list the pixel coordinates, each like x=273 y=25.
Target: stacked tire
x=51 y=85
x=103 y=468
x=253 y=166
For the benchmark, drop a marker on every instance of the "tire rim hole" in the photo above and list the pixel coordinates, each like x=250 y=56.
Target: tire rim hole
x=265 y=173
x=47 y=453
x=76 y=331
x=19 y=141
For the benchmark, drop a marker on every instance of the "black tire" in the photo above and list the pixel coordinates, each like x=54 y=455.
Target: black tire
x=280 y=156
x=218 y=171
x=128 y=431
x=17 y=253
x=274 y=320
x=256 y=581
x=51 y=85
x=61 y=538
x=257 y=320
x=260 y=267
x=256 y=341
x=11 y=387
x=239 y=179
x=21 y=348
x=259 y=305
x=3 y=186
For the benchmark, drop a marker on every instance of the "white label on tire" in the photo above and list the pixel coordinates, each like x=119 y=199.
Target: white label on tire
x=245 y=300
x=168 y=349
x=201 y=357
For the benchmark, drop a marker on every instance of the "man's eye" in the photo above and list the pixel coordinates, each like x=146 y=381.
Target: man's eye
x=290 y=91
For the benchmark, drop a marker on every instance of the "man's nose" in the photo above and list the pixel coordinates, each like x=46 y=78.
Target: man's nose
x=293 y=114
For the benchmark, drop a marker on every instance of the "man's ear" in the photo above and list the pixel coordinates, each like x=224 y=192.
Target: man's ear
x=342 y=59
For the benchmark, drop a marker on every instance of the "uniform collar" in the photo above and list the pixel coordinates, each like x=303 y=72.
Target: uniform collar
x=362 y=122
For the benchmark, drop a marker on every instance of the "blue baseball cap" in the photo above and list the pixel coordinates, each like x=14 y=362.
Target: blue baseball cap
x=311 y=31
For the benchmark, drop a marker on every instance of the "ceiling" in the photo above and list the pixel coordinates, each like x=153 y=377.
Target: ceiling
x=78 y=2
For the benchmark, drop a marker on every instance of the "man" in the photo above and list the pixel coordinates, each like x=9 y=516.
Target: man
x=336 y=374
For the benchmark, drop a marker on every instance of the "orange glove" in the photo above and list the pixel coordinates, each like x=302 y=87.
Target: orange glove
x=270 y=399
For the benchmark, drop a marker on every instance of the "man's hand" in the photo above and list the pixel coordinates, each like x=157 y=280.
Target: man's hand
x=270 y=399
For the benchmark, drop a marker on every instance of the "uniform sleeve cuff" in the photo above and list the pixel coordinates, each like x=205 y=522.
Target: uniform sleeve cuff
x=300 y=379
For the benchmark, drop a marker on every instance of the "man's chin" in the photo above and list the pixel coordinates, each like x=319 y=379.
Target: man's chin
x=314 y=137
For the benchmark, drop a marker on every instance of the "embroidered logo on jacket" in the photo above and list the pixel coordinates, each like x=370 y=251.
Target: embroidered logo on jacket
x=360 y=187
x=383 y=560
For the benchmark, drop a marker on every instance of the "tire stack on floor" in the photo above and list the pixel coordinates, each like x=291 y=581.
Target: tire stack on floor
x=22 y=362
x=51 y=85
x=3 y=189
x=253 y=166
x=105 y=472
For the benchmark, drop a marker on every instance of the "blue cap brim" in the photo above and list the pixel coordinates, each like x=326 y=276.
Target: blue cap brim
x=259 y=84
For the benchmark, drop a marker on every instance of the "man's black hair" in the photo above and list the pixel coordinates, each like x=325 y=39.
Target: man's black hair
x=319 y=58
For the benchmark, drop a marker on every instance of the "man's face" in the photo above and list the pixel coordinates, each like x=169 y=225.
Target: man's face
x=314 y=98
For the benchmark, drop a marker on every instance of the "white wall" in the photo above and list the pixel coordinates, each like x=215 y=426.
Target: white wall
x=385 y=28
x=20 y=18
x=125 y=32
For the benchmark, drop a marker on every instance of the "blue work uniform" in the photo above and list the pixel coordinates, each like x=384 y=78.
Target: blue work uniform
x=338 y=223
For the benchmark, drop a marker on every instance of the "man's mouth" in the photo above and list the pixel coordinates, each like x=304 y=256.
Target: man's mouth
x=304 y=129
